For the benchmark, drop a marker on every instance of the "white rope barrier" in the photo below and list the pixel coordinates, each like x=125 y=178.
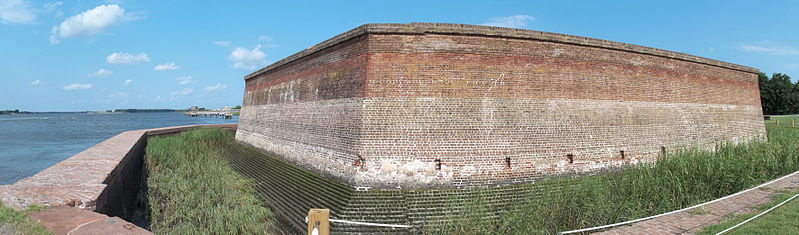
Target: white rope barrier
x=758 y=215
x=672 y=212
x=366 y=223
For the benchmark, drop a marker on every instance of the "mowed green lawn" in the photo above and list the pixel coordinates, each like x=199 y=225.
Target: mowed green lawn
x=783 y=220
x=784 y=120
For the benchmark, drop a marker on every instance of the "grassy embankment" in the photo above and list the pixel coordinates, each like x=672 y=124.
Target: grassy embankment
x=681 y=179
x=17 y=222
x=192 y=189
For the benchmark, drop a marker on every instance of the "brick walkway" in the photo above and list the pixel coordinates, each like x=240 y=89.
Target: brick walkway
x=74 y=221
x=693 y=221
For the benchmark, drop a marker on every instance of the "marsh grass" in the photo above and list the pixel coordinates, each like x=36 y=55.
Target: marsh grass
x=682 y=178
x=191 y=189
x=17 y=222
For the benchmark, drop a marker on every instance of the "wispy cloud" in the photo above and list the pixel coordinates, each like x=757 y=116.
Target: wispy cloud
x=35 y=83
x=516 y=21
x=101 y=74
x=167 y=66
x=770 y=48
x=127 y=82
x=217 y=87
x=223 y=43
x=52 y=6
x=185 y=80
x=245 y=59
x=265 y=38
x=17 y=12
x=180 y=93
x=125 y=58
x=77 y=86
x=118 y=95
x=91 y=22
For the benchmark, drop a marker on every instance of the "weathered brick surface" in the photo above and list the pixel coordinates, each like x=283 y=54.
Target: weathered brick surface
x=432 y=105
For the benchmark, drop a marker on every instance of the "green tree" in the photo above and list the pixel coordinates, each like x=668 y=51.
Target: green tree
x=778 y=95
x=237 y=107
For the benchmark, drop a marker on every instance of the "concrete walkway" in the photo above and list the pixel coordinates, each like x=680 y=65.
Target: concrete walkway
x=693 y=221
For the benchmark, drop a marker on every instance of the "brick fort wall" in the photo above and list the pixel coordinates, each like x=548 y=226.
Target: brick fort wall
x=442 y=105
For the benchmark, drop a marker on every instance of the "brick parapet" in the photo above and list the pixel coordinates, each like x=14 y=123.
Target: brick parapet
x=490 y=31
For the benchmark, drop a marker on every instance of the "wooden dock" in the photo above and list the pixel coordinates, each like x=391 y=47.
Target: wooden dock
x=226 y=114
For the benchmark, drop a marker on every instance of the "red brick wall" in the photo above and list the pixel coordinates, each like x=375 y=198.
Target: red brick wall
x=308 y=110
x=404 y=102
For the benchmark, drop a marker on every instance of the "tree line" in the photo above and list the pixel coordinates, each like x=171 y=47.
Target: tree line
x=778 y=95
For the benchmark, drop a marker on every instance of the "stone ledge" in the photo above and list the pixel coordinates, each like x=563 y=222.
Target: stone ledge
x=80 y=180
x=491 y=31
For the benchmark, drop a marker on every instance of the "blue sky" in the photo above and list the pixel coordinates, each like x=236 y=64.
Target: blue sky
x=98 y=55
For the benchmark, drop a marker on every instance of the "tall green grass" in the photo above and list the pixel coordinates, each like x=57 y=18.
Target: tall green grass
x=680 y=179
x=191 y=189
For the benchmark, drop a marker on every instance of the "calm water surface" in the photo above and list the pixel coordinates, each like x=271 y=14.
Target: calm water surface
x=30 y=143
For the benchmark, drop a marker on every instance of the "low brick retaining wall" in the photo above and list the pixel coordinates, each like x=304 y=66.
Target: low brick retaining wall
x=104 y=178
x=291 y=191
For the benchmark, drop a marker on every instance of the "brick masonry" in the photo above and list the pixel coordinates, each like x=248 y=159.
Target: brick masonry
x=425 y=105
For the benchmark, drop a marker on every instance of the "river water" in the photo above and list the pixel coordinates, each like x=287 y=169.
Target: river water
x=30 y=143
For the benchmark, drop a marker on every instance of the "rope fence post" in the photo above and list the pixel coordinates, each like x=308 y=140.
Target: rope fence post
x=319 y=220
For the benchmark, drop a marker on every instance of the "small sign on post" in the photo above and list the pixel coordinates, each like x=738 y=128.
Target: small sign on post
x=319 y=220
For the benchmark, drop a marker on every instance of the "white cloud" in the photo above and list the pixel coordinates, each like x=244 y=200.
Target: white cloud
x=101 y=74
x=91 y=22
x=34 y=83
x=180 y=93
x=54 y=6
x=771 y=49
x=127 y=82
x=264 y=38
x=167 y=66
x=118 y=95
x=78 y=86
x=517 y=21
x=125 y=58
x=17 y=12
x=50 y=7
x=185 y=80
x=244 y=59
x=218 y=86
x=222 y=43
x=159 y=98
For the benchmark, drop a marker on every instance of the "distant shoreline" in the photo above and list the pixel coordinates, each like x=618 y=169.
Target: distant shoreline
x=14 y=112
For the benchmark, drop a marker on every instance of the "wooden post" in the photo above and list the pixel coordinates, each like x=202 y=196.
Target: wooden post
x=319 y=218
x=778 y=122
x=793 y=122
